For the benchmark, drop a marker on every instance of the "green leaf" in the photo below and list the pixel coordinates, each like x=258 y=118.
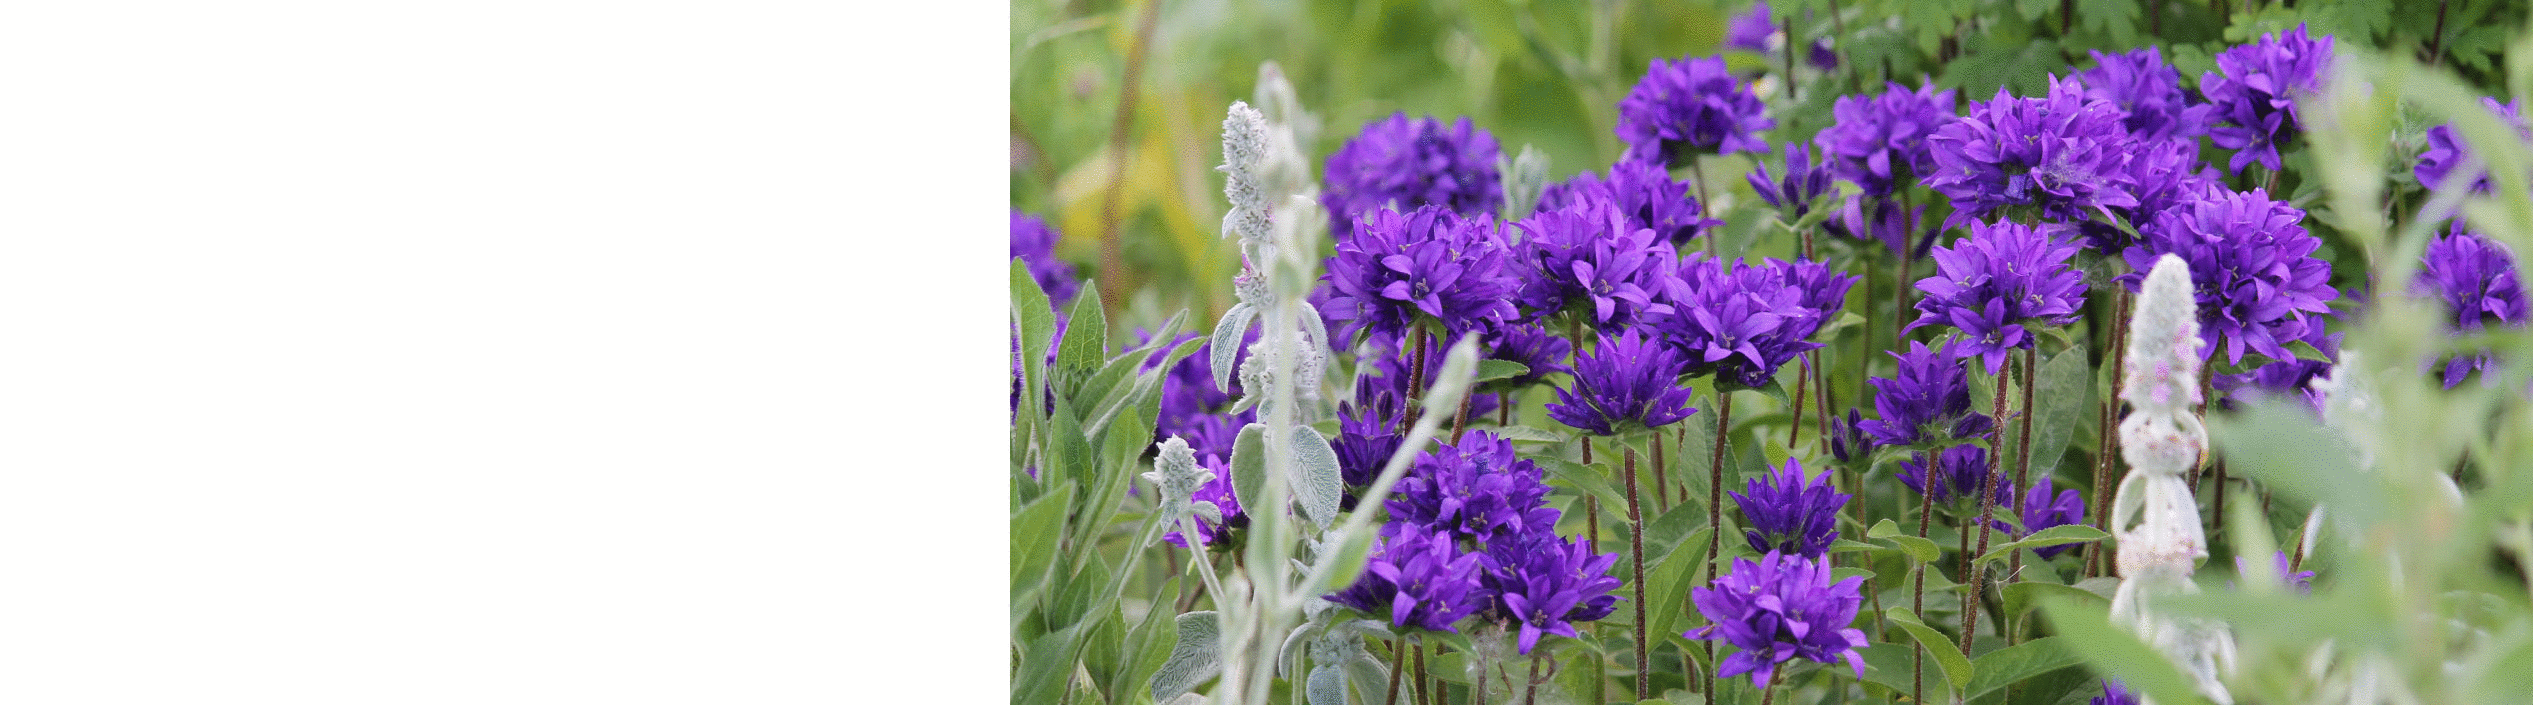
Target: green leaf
x=2116 y=653
x=1491 y=370
x=2023 y=597
x=1194 y=659
x=1326 y=685
x=1592 y=480
x=1919 y=550
x=2065 y=401
x=1047 y=664
x=1084 y=349
x=2052 y=536
x=1036 y=532
x=1248 y=466
x=1317 y=486
x=1226 y=341
x=1947 y=655
x=1887 y=665
x=1528 y=434
x=1118 y=460
x=1350 y=558
x=2306 y=351
x=2007 y=666
x=1667 y=584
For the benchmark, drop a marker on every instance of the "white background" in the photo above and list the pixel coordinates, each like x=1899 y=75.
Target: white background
x=516 y=351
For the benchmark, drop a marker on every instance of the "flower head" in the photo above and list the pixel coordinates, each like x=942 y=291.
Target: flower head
x=2045 y=507
x=1644 y=192
x=2254 y=89
x=1751 y=29
x=2149 y=91
x=2477 y=280
x=1996 y=282
x=1417 y=578
x=1431 y=264
x=1407 y=164
x=1032 y=241
x=1690 y=107
x=1805 y=180
x=1531 y=345
x=1927 y=399
x=1744 y=323
x=2065 y=154
x=2252 y=267
x=1958 y=471
x=1546 y=585
x=1790 y=513
x=2445 y=154
x=1627 y=381
x=1777 y=609
x=1477 y=490
x=1879 y=141
x=1587 y=255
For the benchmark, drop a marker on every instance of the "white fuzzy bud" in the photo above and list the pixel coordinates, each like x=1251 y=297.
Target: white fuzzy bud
x=1175 y=471
x=1244 y=155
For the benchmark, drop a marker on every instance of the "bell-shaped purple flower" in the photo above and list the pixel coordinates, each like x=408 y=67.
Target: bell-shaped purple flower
x=1406 y=164
x=1778 y=609
x=2445 y=153
x=1644 y=192
x=2254 y=91
x=1926 y=400
x=2065 y=154
x=1429 y=265
x=1878 y=142
x=1690 y=107
x=1546 y=585
x=2149 y=91
x=1744 y=323
x=1626 y=382
x=1789 y=513
x=2045 y=507
x=1478 y=490
x=1033 y=242
x=1589 y=257
x=2252 y=265
x=1996 y=282
x=1806 y=180
x=1418 y=579
x=1957 y=472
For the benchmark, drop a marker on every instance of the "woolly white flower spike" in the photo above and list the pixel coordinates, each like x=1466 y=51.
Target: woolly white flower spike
x=1244 y=154
x=2154 y=515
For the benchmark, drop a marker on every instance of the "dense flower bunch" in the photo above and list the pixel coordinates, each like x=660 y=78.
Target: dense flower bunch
x=1033 y=242
x=1643 y=191
x=1690 y=107
x=1957 y=471
x=1428 y=265
x=2254 y=91
x=1777 y=609
x=1214 y=531
x=1789 y=513
x=1406 y=164
x=2477 y=281
x=1878 y=142
x=1587 y=255
x=1743 y=323
x=1478 y=490
x=2065 y=154
x=1546 y=585
x=2045 y=507
x=2252 y=265
x=2149 y=92
x=2445 y=153
x=1993 y=284
x=1926 y=400
x=1417 y=577
x=1626 y=382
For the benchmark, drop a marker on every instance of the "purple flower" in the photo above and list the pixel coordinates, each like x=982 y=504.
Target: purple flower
x=2283 y=379
x=1643 y=191
x=2065 y=155
x=1213 y=434
x=1587 y=256
x=1386 y=366
x=1430 y=265
x=1879 y=141
x=1789 y=513
x=2169 y=175
x=1744 y=323
x=2302 y=581
x=1033 y=242
x=1750 y=29
x=1477 y=490
x=1926 y=400
x=2445 y=153
x=1626 y=382
x=1407 y=164
x=1806 y=180
x=1217 y=491
x=1531 y=345
x=1823 y=55
x=1419 y=579
x=2477 y=280
x=2149 y=91
x=1367 y=436
x=2043 y=509
x=2252 y=265
x=1958 y=470
x=1847 y=440
x=1690 y=107
x=1997 y=282
x=1546 y=585
x=2113 y=694
x=1777 y=609
x=2253 y=92
x=1881 y=219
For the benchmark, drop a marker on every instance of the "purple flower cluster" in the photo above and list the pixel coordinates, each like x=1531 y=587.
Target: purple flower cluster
x=1589 y=256
x=2149 y=92
x=1624 y=383
x=1926 y=400
x=2251 y=262
x=1367 y=435
x=1958 y=471
x=1878 y=142
x=1789 y=513
x=2254 y=89
x=2477 y=280
x=1777 y=609
x=1806 y=180
x=1993 y=284
x=1430 y=265
x=1690 y=107
x=1033 y=242
x=2066 y=154
x=2045 y=507
x=1406 y=164
x=1546 y=585
x=1417 y=578
x=2445 y=154
x=1743 y=323
x=1478 y=490
x=1643 y=191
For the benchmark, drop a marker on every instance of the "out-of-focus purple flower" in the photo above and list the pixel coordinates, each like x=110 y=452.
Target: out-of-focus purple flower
x=1777 y=609
x=1477 y=490
x=2302 y=581
x=1431 y=265
x=1744 y=323
x=1188 y=390
x=1367 y=436
x=1690 y=107
x=1546 y=585
x=2251 y=262
x=2045 y=507
x=2253 y=93
x=1417 y=578
x=1998 y=281
x=1033 y=242
x=1626 y=382
x=1531 y=345
x=1406 y=164
x=2065 y=154
x=2149 y=91
x=1926 y=400
x=1213 y=434
x=1217 y=491
x=1880 y=218
x=2283 y=379
x=1587 y=256
x=1789 y=513
x=1879 y=141
x=2477 y=280
x=1824 y=55
x=1644 y=192
x=2445 y=153
x=1751 y=29
x=2113 y=694
x=1958 y=470
x=1806 y=180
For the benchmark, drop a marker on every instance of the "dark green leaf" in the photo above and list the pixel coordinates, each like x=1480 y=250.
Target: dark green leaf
x=2004 y=667
x=1946 y=655
x=2114 y=652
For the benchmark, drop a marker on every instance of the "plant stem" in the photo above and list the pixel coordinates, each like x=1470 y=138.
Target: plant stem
x=1802 y=389
x=1661 y=484
x=1591 y=503
x=1530 y=693
x=1112 y=281
x=1422 y=695
x=2096 y=562
x=1460 y=421
x=1410 y=406
x=1989 y=488
x=1636 y=555
x=1768 y=694
x=1917 y=594
x=1715 y=497
x=2023 y=453
x=1398 y=666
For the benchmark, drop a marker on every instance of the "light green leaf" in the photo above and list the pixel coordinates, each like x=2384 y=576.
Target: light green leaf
x=1919 y=550
x=1226 y=341
x=1947 y=655
x=2052 y=536
x=1491 y=370
x=1193 y=660
x=2023 y=597
x=2004 y=667
x=1317 y=485
x=1248 y=466
x=2116 y=653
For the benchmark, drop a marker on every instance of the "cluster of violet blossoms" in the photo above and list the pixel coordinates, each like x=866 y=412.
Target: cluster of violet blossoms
x=1779 y=608
x=2477 y=281
x=1994 y=284
x=1405 y=164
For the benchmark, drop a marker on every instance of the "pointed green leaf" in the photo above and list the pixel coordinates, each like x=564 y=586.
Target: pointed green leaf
x=1193 y=660
x=2004 y=667
x=1226 y=341
x=2052 y=536
x=1947 y=655
x=1317 y=484
x=1248 y=466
